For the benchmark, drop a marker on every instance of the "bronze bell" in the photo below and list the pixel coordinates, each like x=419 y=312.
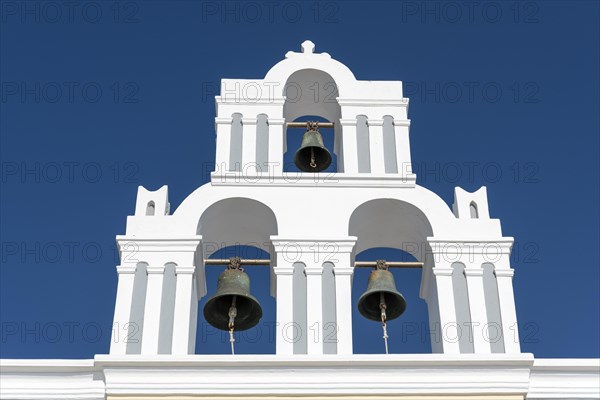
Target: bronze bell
x=233 y=293
x=381 y=290
x=312 y=156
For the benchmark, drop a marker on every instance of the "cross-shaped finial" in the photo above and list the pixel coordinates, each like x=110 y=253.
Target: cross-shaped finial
x=308 y=47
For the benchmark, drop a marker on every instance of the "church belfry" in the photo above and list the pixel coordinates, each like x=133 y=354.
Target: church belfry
x=255 y=199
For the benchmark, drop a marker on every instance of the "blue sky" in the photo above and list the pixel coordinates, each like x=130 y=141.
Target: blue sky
x=104 y=96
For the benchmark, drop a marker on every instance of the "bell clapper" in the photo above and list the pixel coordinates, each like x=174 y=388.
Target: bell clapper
x=383 y=307
x=232 y=314
x=313 y=164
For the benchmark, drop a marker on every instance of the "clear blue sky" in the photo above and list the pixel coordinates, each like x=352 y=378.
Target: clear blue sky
x=103 y=97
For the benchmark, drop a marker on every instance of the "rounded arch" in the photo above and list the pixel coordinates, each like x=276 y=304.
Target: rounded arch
x=294 y=62
x=390 y=223
x=311 y=92
x=236 y=221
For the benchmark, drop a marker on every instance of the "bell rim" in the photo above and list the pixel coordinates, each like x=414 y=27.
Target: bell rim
x=245 y=325
x=327 y=164
x=391 y=314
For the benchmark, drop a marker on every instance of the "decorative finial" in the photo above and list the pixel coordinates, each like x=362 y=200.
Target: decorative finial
x=308 y=47
x=307 y=50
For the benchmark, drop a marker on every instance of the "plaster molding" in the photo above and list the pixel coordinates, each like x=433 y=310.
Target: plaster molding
x=139 y=244
x=400 y=122
x=249 y=121
x=320 y=245
x=326 y=375
x=403 y=102
x=185 y=269
x=126 y=269
x=322 y=179
x=475 y=247
x=509 y=273
x=223 y=121
x=238 y=98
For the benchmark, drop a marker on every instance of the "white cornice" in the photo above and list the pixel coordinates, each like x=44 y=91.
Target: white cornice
x=479 y=246
x=373 y=102
x=153 y=244
x=326 y=245
x=565 y=379
x=394 y=374
x=313 y=180
x=238 y=98
x=309 y=375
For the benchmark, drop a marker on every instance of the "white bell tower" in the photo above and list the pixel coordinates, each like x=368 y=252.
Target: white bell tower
x=371 y=200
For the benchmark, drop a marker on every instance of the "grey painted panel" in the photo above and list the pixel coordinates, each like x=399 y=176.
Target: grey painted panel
x=262 y=143
x=492 y=306
x=329 y=320
x=461 y=302
x=299 y=332
x=362 y=144
x=136 y=320
x=235 y=149
x=433 y=309
x=167 y=310
x=389 y=146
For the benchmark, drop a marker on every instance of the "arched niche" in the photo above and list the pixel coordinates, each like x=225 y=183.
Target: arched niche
x=256 y=340
x=312 y=92
x=397 y=231
x=236 y=221
x=409 y=333
x=391 y=223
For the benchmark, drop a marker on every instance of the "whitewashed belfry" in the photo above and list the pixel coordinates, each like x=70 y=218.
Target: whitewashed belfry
x=368 y=198
x=372 y=201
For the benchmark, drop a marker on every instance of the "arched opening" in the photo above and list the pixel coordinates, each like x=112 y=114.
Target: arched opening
x=409 y=333
x=393 y=230
x=473 y=210
x=256 y=340
x=311 y=95
x=294 y=141
x=238 y=227
x=150 y=208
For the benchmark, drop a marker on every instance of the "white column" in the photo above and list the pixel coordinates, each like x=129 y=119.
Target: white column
x=343 y=304
x=118 y=343
x=401 y=134
x=477 y=309
x=376 y=146
x=314 y=308
x=350 y=148
x=445 y=295
x=276 y=145
x=508 y=312
x=223 y=128
x=182 y=321
x=285 y=331
x=249 y=146
x=152 y=309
